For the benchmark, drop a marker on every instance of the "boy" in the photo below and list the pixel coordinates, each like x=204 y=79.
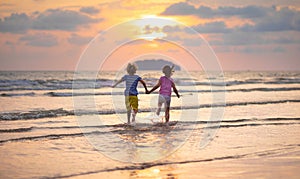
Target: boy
x=131 y=99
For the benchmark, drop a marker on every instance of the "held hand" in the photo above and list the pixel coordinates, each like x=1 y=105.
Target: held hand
x=147 y=92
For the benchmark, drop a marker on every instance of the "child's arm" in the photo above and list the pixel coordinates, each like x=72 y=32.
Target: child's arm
x=155 y=87
x=118 y=82
x=175 y=90
x=144 y=84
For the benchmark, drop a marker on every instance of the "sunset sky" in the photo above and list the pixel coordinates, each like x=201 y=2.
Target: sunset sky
x=244 y=34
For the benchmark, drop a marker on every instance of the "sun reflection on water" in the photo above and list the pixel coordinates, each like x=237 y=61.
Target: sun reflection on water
x=156 y=173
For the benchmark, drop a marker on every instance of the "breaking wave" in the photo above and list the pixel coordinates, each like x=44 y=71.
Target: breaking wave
x=61 y=112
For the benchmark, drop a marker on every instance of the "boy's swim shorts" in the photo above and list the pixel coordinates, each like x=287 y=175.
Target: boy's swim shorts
x=131 y=102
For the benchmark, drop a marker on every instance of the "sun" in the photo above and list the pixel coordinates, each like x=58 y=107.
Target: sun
x=151 y=27
x=152 y=36
x=153 y=44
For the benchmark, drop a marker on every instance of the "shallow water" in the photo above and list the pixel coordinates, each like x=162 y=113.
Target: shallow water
x=255 y=135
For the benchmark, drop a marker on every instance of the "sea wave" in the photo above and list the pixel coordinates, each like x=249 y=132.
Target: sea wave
x=234 y=104
x=143 y=166
x=35 y=114
x=224 y=123
x=55 y=84
x=17 y=94
x=248 y=81
x=50 y=136
x=66 y=94
x=139 y=128
x=22 y=129
x=71 y=94
x=61 y=112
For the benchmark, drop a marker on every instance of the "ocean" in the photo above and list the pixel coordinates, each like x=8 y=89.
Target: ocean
x=240 y=124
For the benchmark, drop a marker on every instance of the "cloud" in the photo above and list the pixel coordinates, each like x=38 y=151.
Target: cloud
x=240 y=38
x=256 y=38
x=39 y=40
x=251 y=50
x=192 y=42
x=285 y=19
x=219 y=34
x=79 y=40
x=183 y=8
x=180 y=8
x=149 y=30
x=259 y=50
x=243 y=12
x=264 y=19
x=212 y=27
x=278 y=50
x=15 y=23
x=89 y=10
x=170 y=29
x=52 y=19
x=57 y=19
x=288 y=40
x=185 y=41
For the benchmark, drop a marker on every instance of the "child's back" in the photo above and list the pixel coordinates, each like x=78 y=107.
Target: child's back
x=131 y=82
x=166 y=85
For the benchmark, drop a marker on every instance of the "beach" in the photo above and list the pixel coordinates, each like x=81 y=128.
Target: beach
x=45 y=133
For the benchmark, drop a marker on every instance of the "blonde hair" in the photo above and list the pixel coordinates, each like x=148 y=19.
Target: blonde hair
x=167 y=70
x=131 y=68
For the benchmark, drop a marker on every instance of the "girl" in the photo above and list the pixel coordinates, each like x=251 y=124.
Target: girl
x=165 y=83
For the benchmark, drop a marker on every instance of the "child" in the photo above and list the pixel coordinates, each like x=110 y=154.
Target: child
x=131 y=100
x=165 y=83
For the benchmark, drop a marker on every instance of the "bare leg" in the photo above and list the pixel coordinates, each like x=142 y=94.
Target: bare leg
x=128 y=109
x=158 y=109
x=134 y=114
x=167 y=114
x=128 y=116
